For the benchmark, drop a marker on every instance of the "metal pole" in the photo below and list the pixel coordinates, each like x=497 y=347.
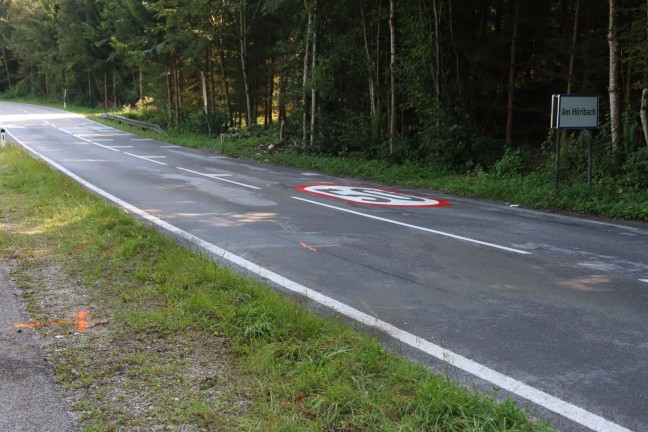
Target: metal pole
x=557 y=159
x=589 y=159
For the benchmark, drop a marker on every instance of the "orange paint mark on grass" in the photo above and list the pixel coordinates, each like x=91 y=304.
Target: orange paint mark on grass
x=81 y=323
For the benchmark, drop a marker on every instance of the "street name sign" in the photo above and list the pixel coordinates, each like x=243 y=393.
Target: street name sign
x=574 y=112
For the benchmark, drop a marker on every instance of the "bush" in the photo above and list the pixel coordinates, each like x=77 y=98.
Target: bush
x=512 y=164
x=636 y=169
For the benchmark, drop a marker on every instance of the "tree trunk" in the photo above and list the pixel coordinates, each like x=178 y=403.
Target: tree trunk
x=267 y=112
x=205 y=100
x=176 y=86
x=454 y=49
x=643 y=113
x=614 y=89
x=141 y=85
x=373 y=79
x=282 y=98
x=169 y=94
x=249 y=118
x=313 y=84
x=203 y=81
x=392 y=74
x=105 y=91
x=114 y=89
x=226 y=89
x=307 y=55
x=511 y=80
x=210 y=77
x=6 y=64
x=572 y=54
x=437 y=55
x=372 y=89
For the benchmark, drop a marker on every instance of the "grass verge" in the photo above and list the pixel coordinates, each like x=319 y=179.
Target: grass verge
x=176 y=342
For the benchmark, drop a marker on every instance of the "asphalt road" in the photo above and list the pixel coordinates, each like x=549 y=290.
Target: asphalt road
x=550 y=307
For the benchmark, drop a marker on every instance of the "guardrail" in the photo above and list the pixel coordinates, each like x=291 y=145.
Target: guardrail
x=136 y=123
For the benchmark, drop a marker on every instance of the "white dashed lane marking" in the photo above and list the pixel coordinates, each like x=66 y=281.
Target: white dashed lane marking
x=146 y=158
x=218 y=177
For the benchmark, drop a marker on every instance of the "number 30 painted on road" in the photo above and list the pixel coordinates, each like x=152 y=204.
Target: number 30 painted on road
x=367 y=195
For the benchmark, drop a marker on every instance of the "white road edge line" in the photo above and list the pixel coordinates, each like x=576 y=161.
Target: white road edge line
x=143 y=157
x=441 y=233
x=552 y=403
x=216 y=177
x=643 y=280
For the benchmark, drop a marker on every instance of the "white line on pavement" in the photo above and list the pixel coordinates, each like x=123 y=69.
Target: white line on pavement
x=146 y=158
x=441 y=233
x=218 y=177
x=113 y=148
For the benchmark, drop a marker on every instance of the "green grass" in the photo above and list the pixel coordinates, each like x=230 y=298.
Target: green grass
x=165 y=305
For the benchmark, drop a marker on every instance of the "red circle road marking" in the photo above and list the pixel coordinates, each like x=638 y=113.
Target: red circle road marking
x=372 y=196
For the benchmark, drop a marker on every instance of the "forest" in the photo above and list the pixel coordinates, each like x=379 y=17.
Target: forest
x=457 y=85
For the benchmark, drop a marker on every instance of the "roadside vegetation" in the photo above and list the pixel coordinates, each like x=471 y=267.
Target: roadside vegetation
x=176 y=342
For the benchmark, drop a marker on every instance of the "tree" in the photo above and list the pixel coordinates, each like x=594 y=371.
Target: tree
x=392 y=75
x=308 y=64
x=614 y=87
x=5 y=35
x=511 y=80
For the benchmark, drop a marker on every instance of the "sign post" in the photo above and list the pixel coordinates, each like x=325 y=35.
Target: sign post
x=574 y=112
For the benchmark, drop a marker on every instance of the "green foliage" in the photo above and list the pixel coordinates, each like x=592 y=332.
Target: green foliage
x=512 y=164
x=200 y=123
x=635 y=170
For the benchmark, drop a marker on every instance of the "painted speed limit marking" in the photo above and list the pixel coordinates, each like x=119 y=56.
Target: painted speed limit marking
x=370 y=196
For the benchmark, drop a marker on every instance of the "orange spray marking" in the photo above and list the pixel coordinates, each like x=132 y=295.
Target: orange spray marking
x=314 y=247
x=81 y=323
